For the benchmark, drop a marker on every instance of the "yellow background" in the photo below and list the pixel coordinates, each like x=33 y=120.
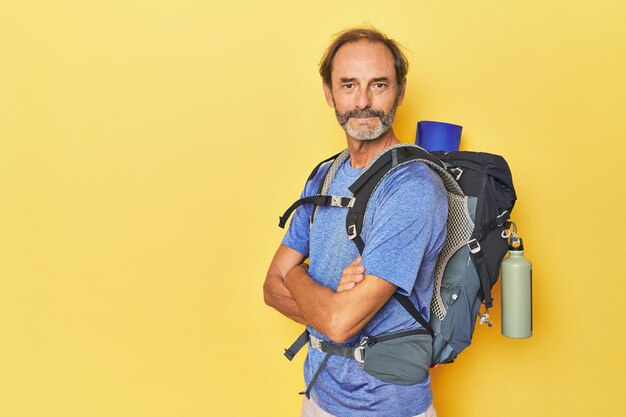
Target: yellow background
x=148 y=147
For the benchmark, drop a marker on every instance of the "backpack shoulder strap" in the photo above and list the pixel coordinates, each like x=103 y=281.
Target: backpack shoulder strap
x=317 y=167
x=364 y=187
x=381 y=165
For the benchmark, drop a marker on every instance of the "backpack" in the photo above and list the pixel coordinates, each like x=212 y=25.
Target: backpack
x=481 y=197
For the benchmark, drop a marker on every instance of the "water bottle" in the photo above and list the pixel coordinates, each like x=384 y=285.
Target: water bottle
x=517 y=311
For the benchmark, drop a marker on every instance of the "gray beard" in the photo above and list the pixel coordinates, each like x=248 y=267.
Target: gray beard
x=386 y=120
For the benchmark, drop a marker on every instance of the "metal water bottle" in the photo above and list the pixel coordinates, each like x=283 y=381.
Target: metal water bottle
x=517 y=311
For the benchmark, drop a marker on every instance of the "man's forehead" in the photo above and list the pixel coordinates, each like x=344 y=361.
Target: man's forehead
x=363 y=57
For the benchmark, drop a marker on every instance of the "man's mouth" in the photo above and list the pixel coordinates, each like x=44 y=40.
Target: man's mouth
x=365 y=120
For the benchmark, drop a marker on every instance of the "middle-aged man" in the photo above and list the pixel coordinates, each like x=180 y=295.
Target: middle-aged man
x=341 y=296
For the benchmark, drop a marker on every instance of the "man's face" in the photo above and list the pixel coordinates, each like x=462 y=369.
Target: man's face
x=364 y=90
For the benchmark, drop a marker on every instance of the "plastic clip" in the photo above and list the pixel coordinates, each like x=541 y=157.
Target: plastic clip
x=475 y=248
x=484 y=318
x=352 y=231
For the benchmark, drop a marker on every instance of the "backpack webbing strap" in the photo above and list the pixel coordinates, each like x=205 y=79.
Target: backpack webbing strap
x=320 y=345
x=408 y=306
x=483 y=274
x=295 y=347
x=324 y=187
x=478 y=258
x=500 y=221
x=320 y=199
x=317 y=200
x=307 y=392
x=290 y=352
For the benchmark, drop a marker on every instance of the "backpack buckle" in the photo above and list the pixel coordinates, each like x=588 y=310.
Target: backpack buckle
x=315 y=343
x=337 y=201
x=359 y=351
x=476 y=246
x=359 y=354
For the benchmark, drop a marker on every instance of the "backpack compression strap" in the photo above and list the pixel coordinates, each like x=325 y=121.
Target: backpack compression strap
x=476 y=253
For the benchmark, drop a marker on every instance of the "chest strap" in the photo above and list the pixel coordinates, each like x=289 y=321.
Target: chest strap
x=318 y=201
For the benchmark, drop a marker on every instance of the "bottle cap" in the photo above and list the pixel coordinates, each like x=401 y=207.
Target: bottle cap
x=516 y=244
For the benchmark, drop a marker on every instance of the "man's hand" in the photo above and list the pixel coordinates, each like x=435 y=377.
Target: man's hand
x=351 y=275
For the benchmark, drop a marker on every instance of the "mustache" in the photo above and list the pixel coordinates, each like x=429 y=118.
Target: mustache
x=343 y=118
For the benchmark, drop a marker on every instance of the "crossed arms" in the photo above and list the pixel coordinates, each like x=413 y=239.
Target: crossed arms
x=338 y=314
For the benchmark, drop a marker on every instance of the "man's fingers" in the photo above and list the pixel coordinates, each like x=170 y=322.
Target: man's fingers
x=346 y=286
x=351 y=278
x=351 y=275
x=357 y=278
x=357 y=261
x=353 y=270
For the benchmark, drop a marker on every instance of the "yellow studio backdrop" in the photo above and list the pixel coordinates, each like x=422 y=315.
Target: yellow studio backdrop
x=147 y=149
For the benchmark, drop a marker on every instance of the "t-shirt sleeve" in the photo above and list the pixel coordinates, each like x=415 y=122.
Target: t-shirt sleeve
x=407 y=226
x=297 y=235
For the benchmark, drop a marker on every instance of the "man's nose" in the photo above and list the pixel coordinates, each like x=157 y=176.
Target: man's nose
x=363 y=99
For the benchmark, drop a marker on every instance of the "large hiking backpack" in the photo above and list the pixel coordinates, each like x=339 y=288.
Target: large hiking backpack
x=480 y=199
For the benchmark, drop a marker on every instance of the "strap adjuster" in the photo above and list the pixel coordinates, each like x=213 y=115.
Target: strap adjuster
x=352 y=231
x=476 y=246
x=457 y=171
x=359 y=354
x=359 y=351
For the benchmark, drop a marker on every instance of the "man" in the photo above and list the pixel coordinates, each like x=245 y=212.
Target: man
x=342 y=296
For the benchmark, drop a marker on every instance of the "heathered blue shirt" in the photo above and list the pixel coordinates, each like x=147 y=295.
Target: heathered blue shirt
x=404 y=230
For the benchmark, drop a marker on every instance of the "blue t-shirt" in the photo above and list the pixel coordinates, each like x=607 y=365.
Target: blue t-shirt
x=404 y=230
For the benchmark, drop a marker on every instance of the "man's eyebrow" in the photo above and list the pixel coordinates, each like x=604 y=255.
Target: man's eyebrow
x=353 y=79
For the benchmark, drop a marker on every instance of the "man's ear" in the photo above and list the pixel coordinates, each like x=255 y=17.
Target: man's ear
x=328 y=93
x=402 y=91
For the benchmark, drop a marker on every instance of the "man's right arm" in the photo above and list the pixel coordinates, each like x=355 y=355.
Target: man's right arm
x=275 y=293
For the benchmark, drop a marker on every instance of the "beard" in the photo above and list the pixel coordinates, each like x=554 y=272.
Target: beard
x=369 y=133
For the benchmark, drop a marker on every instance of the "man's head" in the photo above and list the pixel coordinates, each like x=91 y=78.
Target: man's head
x=401 y=64
x=364 y=78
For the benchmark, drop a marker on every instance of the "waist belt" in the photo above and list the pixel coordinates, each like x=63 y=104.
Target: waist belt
x=357 y=353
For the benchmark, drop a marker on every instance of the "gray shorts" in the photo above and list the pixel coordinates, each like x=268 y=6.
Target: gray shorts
x=311 y=409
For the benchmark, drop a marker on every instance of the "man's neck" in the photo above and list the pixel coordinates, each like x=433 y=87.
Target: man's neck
x=362 y=151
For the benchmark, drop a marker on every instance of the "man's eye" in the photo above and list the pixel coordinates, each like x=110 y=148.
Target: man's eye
x=349 y=85
x=379 y=86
